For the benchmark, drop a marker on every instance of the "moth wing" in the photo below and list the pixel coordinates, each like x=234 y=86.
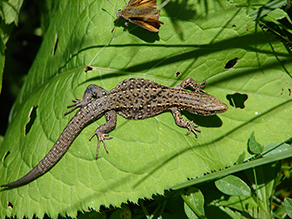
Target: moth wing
x=151 y=25
x=154 y=16
x=149 y=3
x=137 y=10
x=155 y=22
x=134 y=2
x=141 y=2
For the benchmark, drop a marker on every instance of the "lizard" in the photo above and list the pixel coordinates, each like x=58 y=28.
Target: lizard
x=134 y=98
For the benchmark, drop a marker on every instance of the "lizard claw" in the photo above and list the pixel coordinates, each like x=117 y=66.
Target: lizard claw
x=192 y=128
x=77 y=103
x=101 y=137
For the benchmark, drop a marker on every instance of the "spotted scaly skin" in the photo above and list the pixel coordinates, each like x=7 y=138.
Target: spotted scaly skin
x=134 y=98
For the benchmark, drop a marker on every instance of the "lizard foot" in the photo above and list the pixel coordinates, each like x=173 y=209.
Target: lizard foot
x=189 y=82
x=201 y=86
x=77 y=103
x=101 y=137
x=192 y=128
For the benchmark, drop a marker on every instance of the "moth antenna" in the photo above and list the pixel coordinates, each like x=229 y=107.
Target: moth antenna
x=115 y=24
x=110 y=2
x=163 y=4
x=113 y=29
x=150 y=14
x=117 y=19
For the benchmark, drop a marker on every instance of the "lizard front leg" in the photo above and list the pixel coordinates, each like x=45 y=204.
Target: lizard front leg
x=92 y=91
x=111 y=121
x=189 y=82
x=184 y=123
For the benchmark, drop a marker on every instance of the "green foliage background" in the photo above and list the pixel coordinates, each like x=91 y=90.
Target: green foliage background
x=146 y=157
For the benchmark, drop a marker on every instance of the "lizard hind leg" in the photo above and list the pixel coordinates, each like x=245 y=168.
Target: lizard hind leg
x=111 y=121
x=92 y=91
x=184 y=123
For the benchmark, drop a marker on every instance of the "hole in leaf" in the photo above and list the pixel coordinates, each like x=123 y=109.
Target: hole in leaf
x=5 y=155
x=88 y=68
x=55 y=44
x=237 y=100
x=177 y=74
x=289 y=91
x=231 y=63
x=10 y=204
x=32 y=117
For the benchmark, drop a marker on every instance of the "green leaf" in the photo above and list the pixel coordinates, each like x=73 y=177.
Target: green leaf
x=1 y=140
x=263 y=180
x=232 y=185
x=148 y=156
x=288 y=206
x=123 y=212
x=194 y=203
x=275 y=148
x=277 y=14
x=2 y=61
x=280 y=153
x=240 y=203
x=241 y=158
x=10 y=11
x=265 y=9
x=46 y=11
x=253 y=145
x=91 y=215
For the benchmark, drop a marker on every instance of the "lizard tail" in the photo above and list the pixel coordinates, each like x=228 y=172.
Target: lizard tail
x=66 y=138
x=24 y=180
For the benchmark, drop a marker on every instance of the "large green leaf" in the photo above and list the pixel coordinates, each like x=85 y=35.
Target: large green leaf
x=10 y=10
x=2 y=61
x=147 y=156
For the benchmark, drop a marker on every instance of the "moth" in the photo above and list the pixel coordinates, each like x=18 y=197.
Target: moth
x=143 y=13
